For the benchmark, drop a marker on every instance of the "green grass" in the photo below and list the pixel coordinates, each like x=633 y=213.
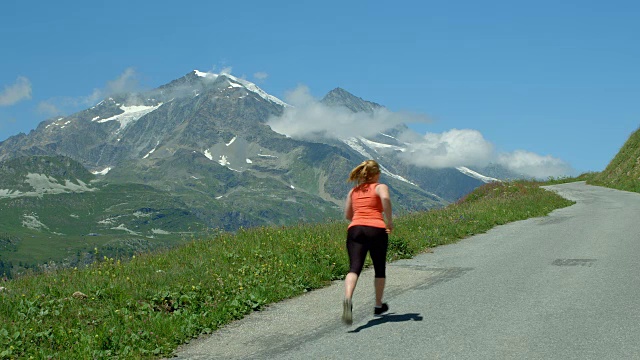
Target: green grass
x=588 y=177
x=623 y=172
x=67 y=220
x=148 y=305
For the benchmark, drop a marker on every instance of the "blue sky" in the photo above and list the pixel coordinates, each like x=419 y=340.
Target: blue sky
x=558 y=81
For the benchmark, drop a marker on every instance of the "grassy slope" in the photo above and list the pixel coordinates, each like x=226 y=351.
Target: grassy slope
x=623 y=172
x=147 y=306
x=76 y=215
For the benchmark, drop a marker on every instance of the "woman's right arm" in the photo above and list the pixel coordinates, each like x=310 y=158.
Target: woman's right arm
x=348 y=207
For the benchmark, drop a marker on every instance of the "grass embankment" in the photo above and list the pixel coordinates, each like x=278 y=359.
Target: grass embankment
x=623 y=172
x=146 y=306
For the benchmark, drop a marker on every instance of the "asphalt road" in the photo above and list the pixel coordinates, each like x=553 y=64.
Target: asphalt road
x=565 y=286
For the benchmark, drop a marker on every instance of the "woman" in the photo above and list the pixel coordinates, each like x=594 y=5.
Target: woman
x=368 y=232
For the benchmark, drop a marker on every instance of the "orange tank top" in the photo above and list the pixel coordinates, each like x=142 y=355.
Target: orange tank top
x=367 y=206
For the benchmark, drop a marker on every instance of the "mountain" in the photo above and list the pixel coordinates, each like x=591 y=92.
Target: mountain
x=193 y=154
x=449 y=184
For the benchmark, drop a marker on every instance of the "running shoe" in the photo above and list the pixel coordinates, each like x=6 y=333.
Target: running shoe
x=347 y=316
x=380 y=310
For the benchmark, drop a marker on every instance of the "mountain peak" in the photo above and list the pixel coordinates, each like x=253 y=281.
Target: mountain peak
x=204 y=74
x=341 y=97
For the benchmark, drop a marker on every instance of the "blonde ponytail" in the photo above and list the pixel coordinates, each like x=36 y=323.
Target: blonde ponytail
x=364 y=172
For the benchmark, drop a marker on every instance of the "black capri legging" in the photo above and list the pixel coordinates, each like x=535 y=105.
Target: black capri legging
x=361 y=239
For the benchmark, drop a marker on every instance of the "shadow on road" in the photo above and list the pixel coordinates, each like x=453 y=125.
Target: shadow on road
x=388 y=318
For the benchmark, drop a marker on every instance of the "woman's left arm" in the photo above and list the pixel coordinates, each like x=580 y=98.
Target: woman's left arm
x=382 y=191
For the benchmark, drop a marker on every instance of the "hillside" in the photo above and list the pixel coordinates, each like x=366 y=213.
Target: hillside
x=55 y=212
x=623 y=172
x=147 y=305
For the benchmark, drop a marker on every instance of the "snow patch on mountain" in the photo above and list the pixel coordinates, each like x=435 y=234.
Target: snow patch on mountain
x=237 y=82
x=102 y=172
x=353 y=143
x=130 y=114
x=43 y=184
x=152 y=150
x=31 y=221
x=232 y=85
x=8 y=193
x=59 y=123
x=376 y=145
x=389 y=136
x=223 y=161
x=475 y=175
x=124 y=228
x=254 y=88
x=205 y=74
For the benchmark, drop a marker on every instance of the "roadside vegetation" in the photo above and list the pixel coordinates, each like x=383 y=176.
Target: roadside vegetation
x=148 y=305
x=587 y=177
x=623 y=172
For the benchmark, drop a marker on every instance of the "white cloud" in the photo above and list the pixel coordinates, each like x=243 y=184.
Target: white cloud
x=310 y=119
x=12 y=94
x=534 y=165
x=125 y=83
x=48 y=108
x=261 y=75
x=468 y=147
x=453 y=148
